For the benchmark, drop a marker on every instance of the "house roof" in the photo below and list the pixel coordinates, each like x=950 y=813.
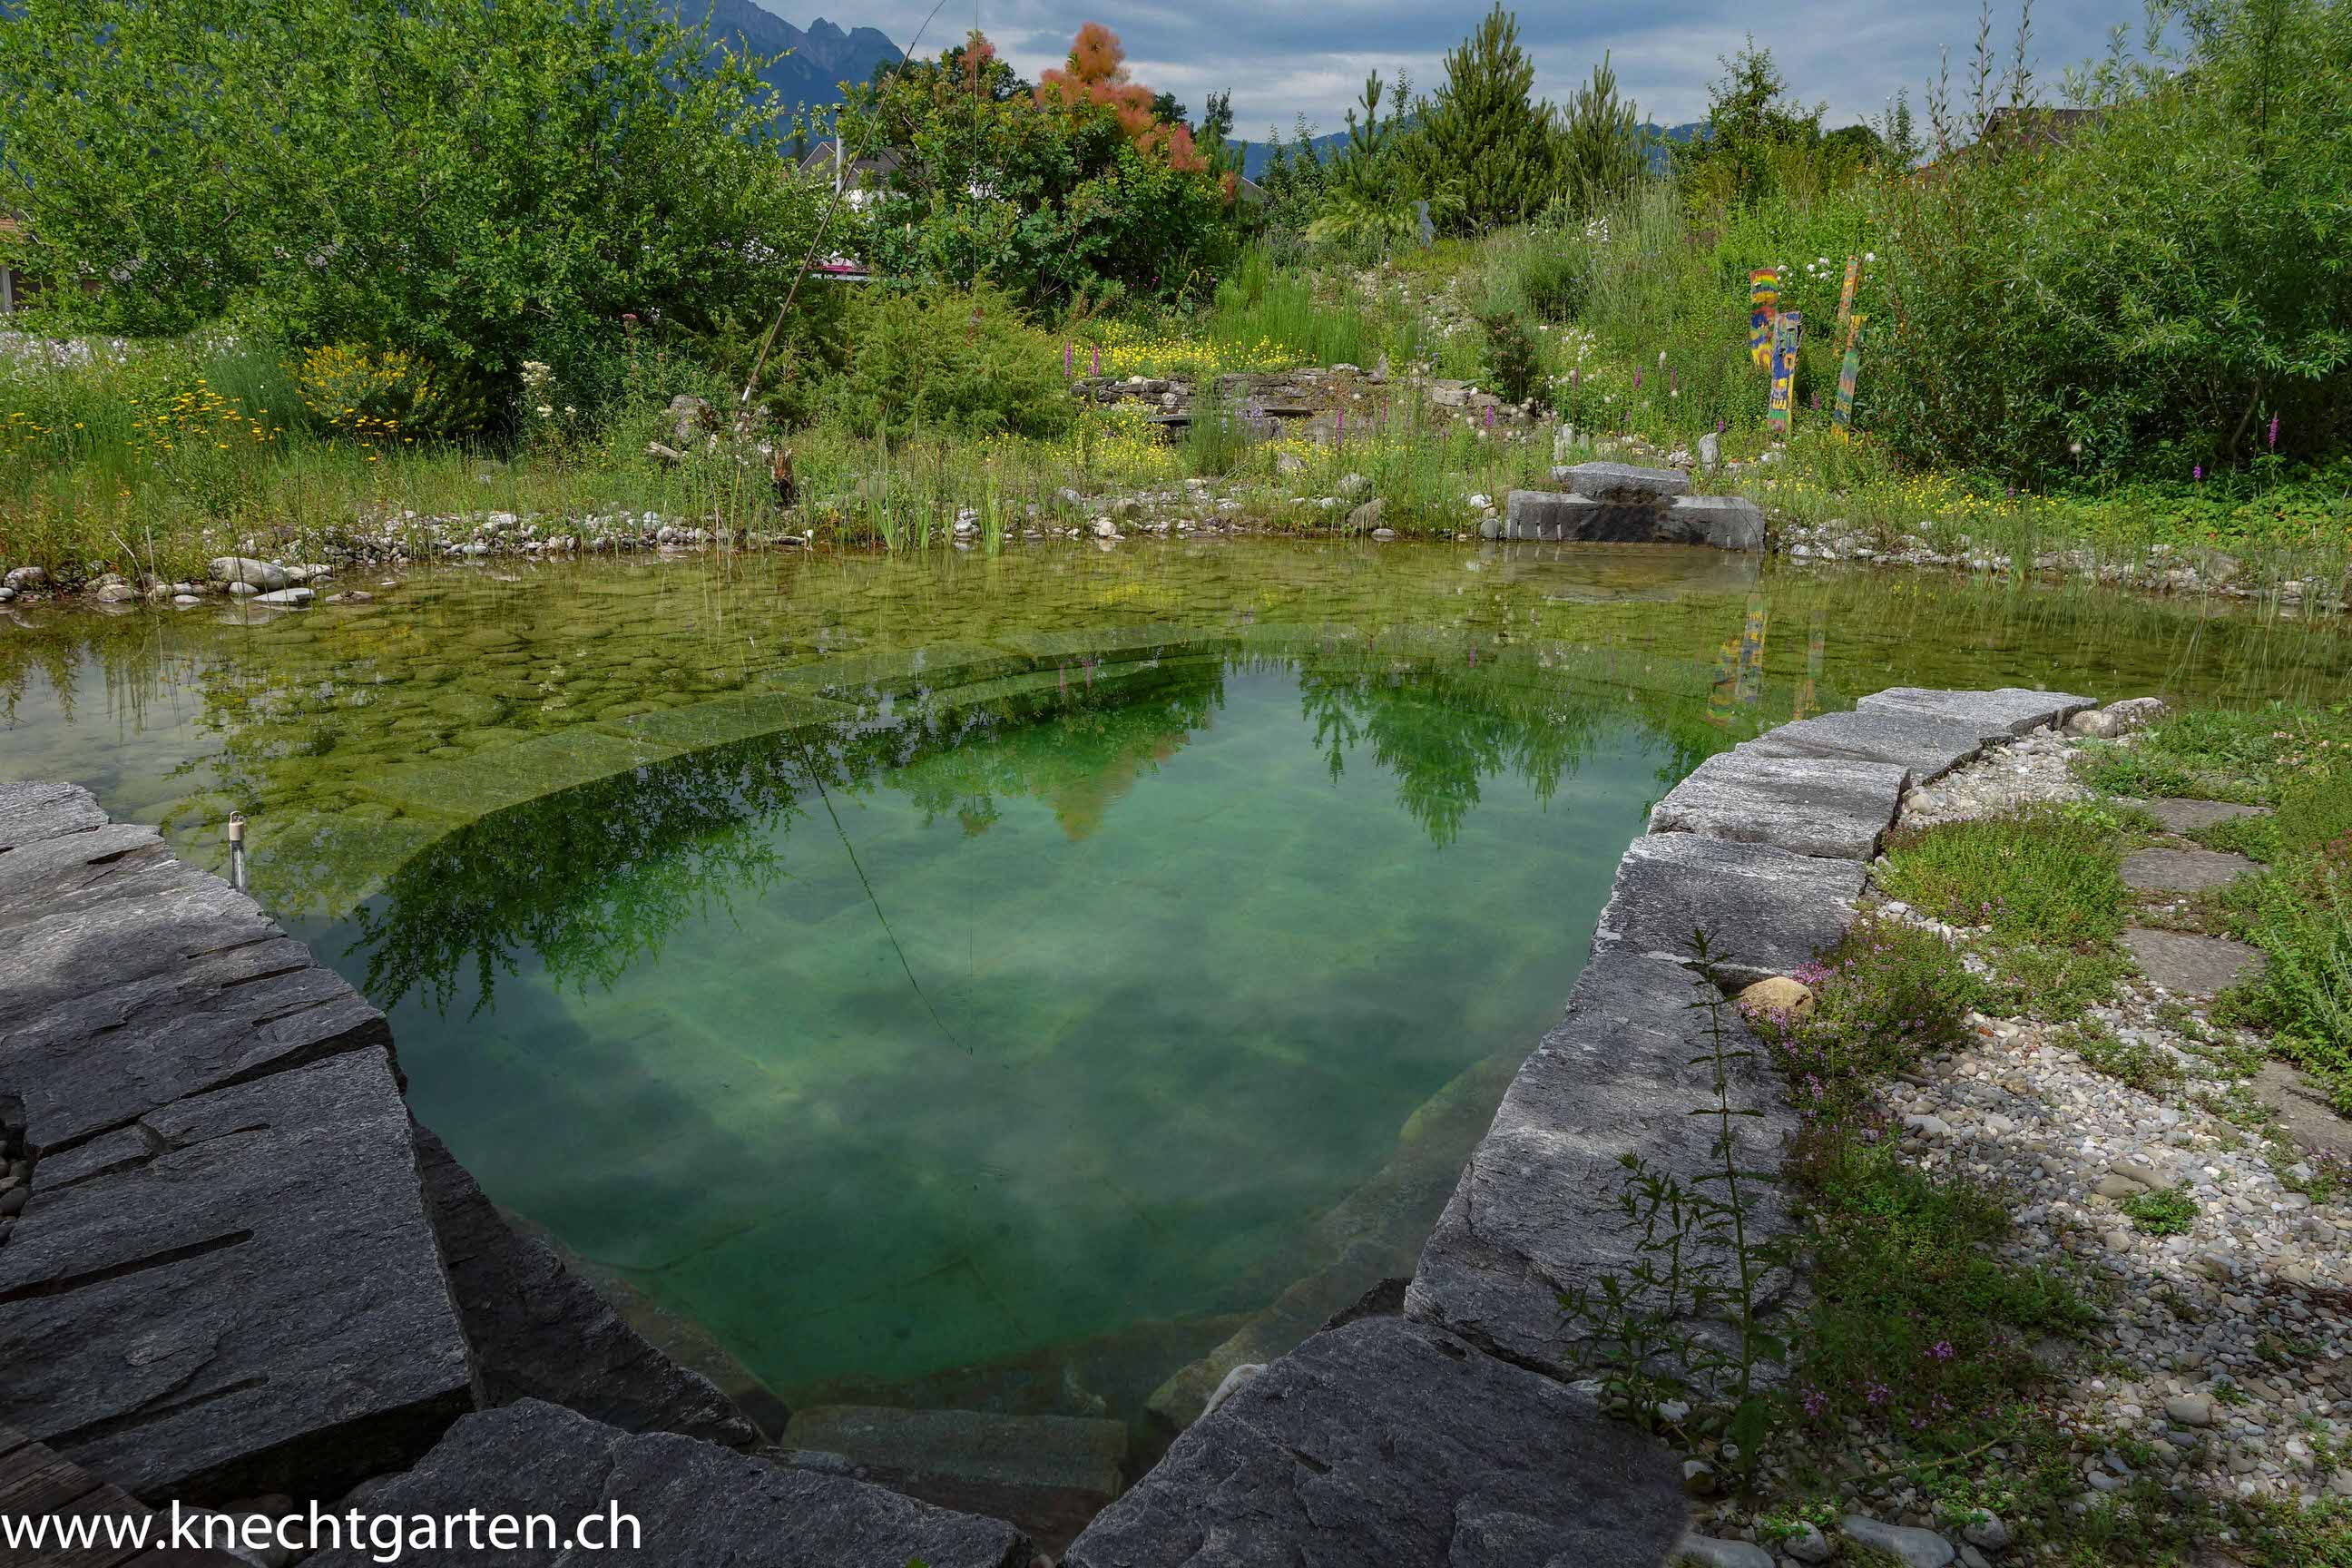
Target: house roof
x=877 y=161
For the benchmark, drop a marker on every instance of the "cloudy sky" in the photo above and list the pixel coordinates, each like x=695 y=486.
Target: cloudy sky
x=1280 y=58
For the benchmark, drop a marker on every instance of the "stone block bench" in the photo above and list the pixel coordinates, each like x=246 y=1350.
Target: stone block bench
x=1615 y=503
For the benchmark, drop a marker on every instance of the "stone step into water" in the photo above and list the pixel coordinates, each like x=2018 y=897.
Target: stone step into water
x=1049 y=1474
x=1766 y=910
x=1926 y=743
x=2003 y=713
x=1807 y=805
x=2193 y=815
x=694 y=1502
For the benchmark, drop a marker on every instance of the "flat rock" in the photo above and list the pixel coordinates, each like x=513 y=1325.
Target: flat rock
x=540 y=1332
x=1910 y=1547
x=245 y=1298
x=1803 y=804
x=2192 y=965
x=2009 y=710
x=1049 y=1474
x=30 y=813
x=1625 y=482
x=696 y=1504
x=2190 y=815
x=242 y=569
x=1765 y=909
x=2303 y=1108
x=1391 y=1442
x=2183 y=870
x=1706 y=1551
x=1551 y=515
x=1928 y=745
x=1535 y=1211
x=1725 y=522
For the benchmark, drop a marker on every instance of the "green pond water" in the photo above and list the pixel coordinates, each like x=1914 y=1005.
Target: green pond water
x=997 y=980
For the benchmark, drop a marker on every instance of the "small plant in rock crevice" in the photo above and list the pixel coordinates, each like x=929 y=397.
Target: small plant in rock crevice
x=2168 y=1213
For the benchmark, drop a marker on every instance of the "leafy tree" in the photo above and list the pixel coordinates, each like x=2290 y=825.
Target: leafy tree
x=1751 y=122
x=1600 y=142
x=451 y=177
x=1485 y=146
x=1095 y=73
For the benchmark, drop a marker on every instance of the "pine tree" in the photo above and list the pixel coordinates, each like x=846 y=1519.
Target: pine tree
x=1600 y=142
x=1484 y=148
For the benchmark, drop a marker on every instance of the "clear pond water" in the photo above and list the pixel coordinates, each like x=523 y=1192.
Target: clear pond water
x=997 y=980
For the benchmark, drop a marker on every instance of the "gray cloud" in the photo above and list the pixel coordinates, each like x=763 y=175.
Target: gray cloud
x=1283 y=57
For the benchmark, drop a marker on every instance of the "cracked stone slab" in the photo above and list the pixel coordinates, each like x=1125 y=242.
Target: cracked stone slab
x=2006 y=711
x=1808 y=806
x=248 y=1301
x=540 y=1332
x=2189 y=964
x=2183 y=870
x=1536 y=1210
x=1624 y=482
x=30 y=813
x=1765 y=909
x=1725 y=522
x=696 y=1504
x=1391 y=1442
x=138 y=981
x=1928 y=745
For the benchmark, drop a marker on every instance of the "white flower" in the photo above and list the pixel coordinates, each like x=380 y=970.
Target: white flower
x=544 y=412
x=1870 y=256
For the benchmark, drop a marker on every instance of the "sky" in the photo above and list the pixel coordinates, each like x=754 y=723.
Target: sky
x=1282 y=57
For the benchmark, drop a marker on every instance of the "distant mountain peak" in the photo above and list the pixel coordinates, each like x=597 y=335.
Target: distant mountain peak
x=814 y=60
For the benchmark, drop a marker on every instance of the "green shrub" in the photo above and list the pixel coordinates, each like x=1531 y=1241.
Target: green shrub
x=2169 y=1212
x=959 y=360
x=384 y=395
x=2302 y=922
x=1511 y=366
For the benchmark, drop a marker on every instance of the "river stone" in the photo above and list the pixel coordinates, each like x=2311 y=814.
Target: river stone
x=1625 y=483
x=1535 y=1211
x=1929 y=746
x=1050 y=1475
x=696 y=1504
x=1727 y=522
x=250 y=1302
x=1706 y=1551
x=1807 y=805
x=2192 y=965
x=1779 y=996
x=540 y=1332
x=1765 y=909
x=1912 y=1548
x=2010 y=711
x=2183 y=870
x=290 y=599
x=260 y=575
x=1391 y=1442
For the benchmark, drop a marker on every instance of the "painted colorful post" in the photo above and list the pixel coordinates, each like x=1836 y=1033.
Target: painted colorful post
x=1787 y=332
x=1842 y=416
x=1763 y=308
x=1723 y=695
x=1845 y=295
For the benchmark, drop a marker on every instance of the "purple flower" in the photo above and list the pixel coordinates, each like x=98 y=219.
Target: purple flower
x=2196 y=472
x=1094 y=362
x=2274 y=432
x=1066 y=351
x=1637 y=381
x=1941 y=1350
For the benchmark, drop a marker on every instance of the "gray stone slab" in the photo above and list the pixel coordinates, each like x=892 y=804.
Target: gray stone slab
x=1550 y=516
x=2189 y=815
x=1725 y=522
x=1388 y=1442
x=34 y=875
x=696 y=1504
x=1929 y=746
x=540 y=1332
x=2007 y=711
x=32 y=812
x=1625 y=482
x=2189 y=964
x=171 y=984
x=1808 y=806
x=2183 y=870
x=1765 y=909
x=2305 y=1109
x=255 y=1306
x=1535 y=1211
x=1050 y=1475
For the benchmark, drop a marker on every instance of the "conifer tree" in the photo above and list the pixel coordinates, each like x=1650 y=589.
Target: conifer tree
x=1486 y=148
x=1600 y=142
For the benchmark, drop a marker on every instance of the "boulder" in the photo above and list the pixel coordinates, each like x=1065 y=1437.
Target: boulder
x=287 y=599
x=1392 y=1442
x=25 y=579
x=1807 y=805
x=2009 y=710
x=2116 y=718
x=1535 y=1212
x=1778 y=996
x=1367 y=517
x=540 y=1332
x=262 y=576
x=1710 y=452
x=1930 y=746
x=1766 y=910
x=695 y=1504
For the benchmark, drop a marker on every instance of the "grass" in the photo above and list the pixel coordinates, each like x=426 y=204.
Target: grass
x=2134 y=1062
x=2166 y=1213
x=2041 y=888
